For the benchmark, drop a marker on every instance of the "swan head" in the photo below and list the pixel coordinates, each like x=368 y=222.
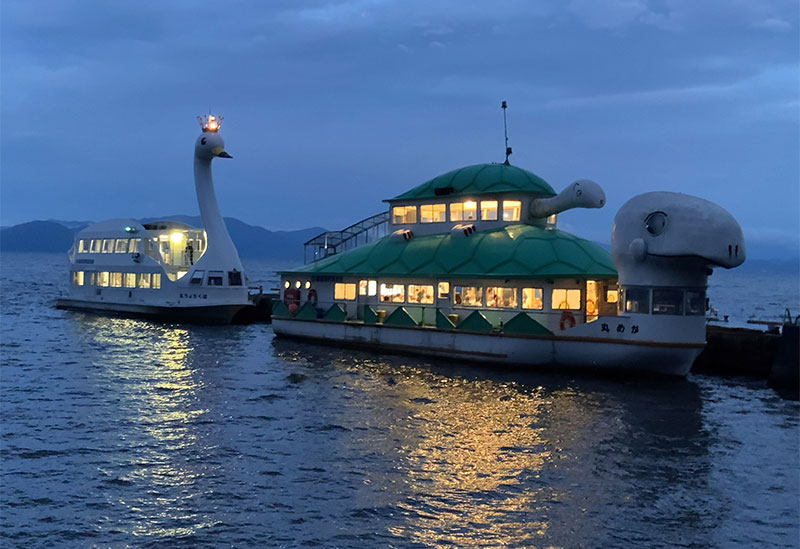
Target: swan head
x=210 y=145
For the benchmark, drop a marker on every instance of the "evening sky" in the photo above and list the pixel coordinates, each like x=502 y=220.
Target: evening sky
x=332 y=106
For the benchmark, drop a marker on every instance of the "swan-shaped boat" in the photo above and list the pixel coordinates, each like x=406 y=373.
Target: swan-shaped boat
x=164 y=269
x=473 y=267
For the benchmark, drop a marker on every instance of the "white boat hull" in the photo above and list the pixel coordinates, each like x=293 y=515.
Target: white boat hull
x=207 y=314
x=575 y=351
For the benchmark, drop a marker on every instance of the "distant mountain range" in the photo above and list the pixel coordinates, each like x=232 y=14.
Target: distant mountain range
x=252 y=241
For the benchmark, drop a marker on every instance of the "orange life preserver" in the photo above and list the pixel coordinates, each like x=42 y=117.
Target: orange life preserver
x=591 y=308
x=567 y=318
x=312 y=297
x=291 y=296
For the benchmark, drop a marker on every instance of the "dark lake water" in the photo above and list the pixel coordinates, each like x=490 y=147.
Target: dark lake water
x=118 y=432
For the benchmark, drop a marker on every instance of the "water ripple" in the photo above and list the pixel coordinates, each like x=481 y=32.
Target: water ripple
x=118 y=432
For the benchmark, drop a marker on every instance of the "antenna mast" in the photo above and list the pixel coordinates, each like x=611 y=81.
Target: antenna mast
x=504 y=106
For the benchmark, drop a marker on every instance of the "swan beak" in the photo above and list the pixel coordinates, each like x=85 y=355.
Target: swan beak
x=219 y=151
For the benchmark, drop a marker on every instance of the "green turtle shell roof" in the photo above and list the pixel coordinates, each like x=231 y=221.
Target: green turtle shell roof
x=479 y=179
x=514 y=251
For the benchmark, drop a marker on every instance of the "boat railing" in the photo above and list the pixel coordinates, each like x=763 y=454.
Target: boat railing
x=333 y=242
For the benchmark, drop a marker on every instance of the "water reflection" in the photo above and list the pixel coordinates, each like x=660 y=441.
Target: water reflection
x=488 y=457
x=471 y=443
x=156 y=374
x=432 y=453
x=121 y=432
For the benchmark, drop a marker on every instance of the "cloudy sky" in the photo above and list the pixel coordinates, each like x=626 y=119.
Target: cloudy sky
x=332 y=106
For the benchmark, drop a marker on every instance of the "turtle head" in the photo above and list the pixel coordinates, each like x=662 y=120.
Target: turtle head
x=654 y=229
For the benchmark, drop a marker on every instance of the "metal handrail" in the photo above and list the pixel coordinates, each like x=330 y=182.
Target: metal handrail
x=332 y=242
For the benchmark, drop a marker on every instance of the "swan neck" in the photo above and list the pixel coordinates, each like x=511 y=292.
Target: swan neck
x=220 y=249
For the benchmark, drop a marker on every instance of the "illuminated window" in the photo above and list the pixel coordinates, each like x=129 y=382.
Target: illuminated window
x=552 y=220
x=532 y=298
x=612 y=296
x=637 y=300
x=404 y=214
x=116 y=280
x=307 y=285
x=155 y=282
x=444 y=290
x=511 y=210
x=143 y=280
x=420 y=294
x=121 y=246
x=368 y=287
x=133 y=245
x=432 y=213
x=497 y=296
x=464 y=211
x=566 y=299
x=108 y=246
x=394 y=293
x=467 y=295
x=286 y=284
x=102 y=278
x=129 y=280
x=215 y=279
x=489 y=210
x=92 y=278
x=344 y=291
x=96 y=246
x=77 y=278
x=667 y=301
x=695 y=302
x=83 y=246
x=470 y=210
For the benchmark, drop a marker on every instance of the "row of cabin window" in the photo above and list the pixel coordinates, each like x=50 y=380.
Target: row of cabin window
x=117 y=280
x=109 y=245
x=467 y=296
x=214 y=278
x=125 y=245
x=459 y=211
x=664 y=301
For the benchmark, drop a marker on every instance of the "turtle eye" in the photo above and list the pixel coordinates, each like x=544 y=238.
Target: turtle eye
x=203 y=141
x=655 y=223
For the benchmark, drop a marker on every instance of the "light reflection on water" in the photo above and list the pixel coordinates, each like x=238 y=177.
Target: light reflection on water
x=160 y=403
x=119 y=431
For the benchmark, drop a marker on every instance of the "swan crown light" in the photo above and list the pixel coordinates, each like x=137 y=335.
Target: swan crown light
x=210 y=123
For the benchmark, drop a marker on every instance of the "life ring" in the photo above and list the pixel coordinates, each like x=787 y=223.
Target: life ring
x=567 y=318
x=591 y=308
x=291 y=296
x=312 y=297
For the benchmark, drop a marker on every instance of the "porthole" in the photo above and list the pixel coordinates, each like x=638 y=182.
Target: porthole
x=286 y=284
x=655 y=223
